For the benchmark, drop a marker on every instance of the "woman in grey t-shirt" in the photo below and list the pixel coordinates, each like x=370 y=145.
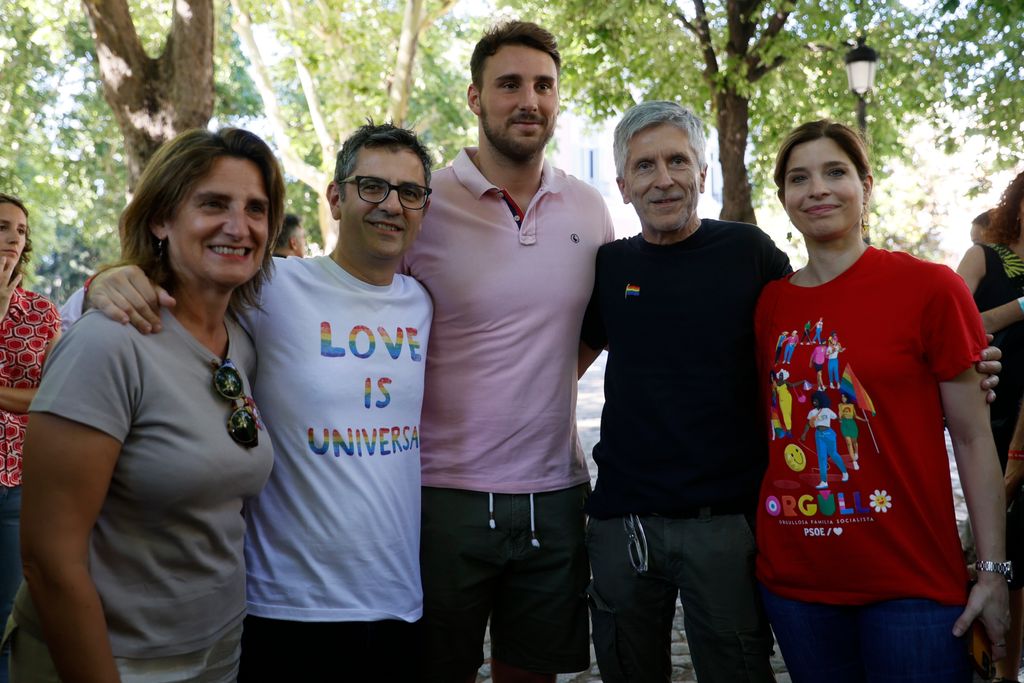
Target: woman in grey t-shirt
x=141 y=449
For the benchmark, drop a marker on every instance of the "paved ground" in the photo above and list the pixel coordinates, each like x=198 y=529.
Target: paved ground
x=682 y=667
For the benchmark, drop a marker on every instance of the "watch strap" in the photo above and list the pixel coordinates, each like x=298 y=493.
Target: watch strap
x=1005 y=569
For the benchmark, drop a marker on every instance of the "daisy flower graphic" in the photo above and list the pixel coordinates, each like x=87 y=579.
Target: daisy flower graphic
x=881 y=501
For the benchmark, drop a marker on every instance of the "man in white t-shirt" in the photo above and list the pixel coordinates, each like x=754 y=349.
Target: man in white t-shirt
x=332 y=545
x=72 y=309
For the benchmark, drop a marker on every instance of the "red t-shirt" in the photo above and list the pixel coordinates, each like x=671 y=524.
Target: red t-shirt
x=889 y=532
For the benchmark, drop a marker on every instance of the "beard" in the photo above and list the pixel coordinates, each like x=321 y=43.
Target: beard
x=514 y=148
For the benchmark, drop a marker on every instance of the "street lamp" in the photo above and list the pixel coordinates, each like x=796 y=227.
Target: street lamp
x=861 y=62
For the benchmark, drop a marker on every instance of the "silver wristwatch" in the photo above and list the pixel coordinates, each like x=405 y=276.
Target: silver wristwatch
x=1005 y=569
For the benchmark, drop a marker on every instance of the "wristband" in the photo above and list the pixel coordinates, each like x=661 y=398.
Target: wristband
x=1015 y=455
x=1020 y=302
x=88 y=281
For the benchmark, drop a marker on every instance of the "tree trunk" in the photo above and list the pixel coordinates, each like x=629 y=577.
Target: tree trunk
x=314 y=178
x=401 y=82
x=154 y=99
x=731 y=113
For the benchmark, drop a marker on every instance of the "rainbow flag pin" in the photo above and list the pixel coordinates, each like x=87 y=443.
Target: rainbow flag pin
x=632 y=290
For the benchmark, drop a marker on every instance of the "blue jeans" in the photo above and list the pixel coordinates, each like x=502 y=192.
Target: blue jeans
x=910 y=641
x=10 y=559
x=825 y=441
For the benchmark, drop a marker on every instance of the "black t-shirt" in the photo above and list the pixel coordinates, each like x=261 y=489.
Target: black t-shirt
x=1004 y=282
x=680 y=427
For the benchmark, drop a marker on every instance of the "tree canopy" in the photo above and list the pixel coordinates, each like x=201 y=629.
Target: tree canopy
x=322 y=68
x=305 y=73
x=753 y=69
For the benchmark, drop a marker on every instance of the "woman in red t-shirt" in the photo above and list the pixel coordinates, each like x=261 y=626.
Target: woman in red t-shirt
x=860 y=568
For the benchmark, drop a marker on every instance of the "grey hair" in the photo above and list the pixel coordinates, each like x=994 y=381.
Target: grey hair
x=653 y=113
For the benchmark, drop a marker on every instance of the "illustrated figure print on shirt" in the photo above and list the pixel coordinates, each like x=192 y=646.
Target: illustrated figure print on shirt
x=826 y=472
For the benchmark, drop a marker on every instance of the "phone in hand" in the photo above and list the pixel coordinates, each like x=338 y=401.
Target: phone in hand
x=980 y=649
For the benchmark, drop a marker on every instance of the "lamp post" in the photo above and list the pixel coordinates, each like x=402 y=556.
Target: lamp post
x=861 y=62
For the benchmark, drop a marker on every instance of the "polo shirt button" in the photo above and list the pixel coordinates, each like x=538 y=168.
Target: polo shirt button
x=501 y=195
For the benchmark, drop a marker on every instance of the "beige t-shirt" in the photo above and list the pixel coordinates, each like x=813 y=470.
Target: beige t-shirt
x=166 y=550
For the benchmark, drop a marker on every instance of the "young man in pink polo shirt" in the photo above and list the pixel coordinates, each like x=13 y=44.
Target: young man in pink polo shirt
x=507 y=253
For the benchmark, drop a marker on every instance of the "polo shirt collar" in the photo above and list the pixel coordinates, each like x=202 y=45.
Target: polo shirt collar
x=473 y=180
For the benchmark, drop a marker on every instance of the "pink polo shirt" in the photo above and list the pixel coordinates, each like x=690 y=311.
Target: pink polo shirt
x=499 y=409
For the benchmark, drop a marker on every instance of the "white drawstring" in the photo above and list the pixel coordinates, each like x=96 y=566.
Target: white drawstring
x=533 y=521
x=533 y=526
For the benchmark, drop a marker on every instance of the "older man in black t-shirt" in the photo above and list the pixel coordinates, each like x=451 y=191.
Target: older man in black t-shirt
x=682 y=451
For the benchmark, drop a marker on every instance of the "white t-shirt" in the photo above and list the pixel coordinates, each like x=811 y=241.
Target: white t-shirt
x=72 y=309
x=821 y=417
x=334 y=535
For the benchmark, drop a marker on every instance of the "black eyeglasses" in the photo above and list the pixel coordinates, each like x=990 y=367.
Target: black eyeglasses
x=242 y=424
x=636 y=543
x=376 y=190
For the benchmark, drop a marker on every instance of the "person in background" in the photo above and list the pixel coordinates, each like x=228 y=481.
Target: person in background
x=864 y=579
x=28 y=330
x=979 y=225
x=994 y=271
x=292 y=240
x=132 y=538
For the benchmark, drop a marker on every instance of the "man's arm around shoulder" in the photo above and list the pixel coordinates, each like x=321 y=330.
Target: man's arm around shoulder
x=125 y=294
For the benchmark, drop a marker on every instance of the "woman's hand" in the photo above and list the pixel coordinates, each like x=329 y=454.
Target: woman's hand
x=988 y=601
x=8 y=283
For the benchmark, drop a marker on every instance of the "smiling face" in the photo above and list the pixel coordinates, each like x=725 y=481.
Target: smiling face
x=13 y=232
x=373 y=237
x=822 y=193
x=217 y=236
x=516 y=102
x=663 y=179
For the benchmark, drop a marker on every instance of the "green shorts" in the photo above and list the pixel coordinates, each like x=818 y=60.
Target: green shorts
x=707 y=562
x=534 y=596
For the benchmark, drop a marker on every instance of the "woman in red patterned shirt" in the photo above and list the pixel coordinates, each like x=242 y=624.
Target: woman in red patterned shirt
x=29 y=327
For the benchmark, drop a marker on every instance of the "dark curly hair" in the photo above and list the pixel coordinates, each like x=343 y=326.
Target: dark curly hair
x=1004 y=226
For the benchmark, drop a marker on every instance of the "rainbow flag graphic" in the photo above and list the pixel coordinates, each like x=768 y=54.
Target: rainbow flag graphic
x=632 y=290
x=852 y=387
x=777 y=429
